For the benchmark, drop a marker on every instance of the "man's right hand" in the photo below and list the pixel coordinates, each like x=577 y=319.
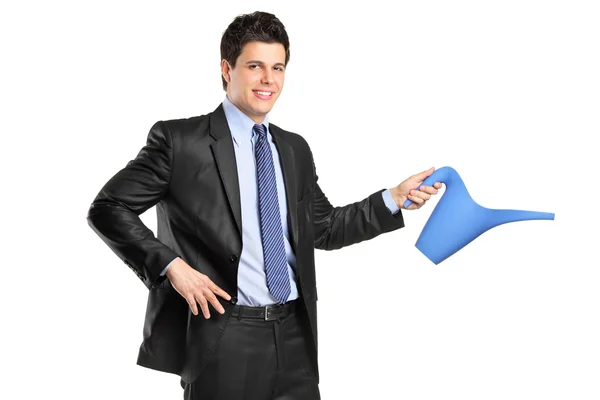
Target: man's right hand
x=195 y=287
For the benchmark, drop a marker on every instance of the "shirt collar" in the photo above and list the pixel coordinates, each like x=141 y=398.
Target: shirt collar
x=239 y=123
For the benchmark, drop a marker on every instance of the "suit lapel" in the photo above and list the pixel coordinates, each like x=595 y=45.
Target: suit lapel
x=286 y=156
x=225 y=158
x=224 y=154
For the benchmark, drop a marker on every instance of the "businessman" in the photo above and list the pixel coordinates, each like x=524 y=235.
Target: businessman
x=231 y=275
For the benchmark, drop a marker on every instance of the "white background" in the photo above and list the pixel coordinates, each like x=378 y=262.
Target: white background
x=506 y=92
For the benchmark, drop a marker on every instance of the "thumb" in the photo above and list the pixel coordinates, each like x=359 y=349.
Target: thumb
x=423 y=175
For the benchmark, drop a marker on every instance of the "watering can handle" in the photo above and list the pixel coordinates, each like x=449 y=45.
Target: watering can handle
x=439 y=175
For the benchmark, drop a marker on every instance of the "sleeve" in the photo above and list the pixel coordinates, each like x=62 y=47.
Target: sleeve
x=164 y=271
x=337 y=227
x=389 y=202
x=114 y=213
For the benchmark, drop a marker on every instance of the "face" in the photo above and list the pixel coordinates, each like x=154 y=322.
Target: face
x=257 y=79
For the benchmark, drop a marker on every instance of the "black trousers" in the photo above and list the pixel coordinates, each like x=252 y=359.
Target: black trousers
x=258 y=360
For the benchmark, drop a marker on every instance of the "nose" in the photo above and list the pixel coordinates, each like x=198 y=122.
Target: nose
x=267 y=76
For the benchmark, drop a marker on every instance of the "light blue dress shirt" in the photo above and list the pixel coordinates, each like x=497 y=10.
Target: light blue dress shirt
x=252 y=281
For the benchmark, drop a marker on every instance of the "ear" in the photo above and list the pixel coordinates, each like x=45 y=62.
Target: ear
x=225 y=68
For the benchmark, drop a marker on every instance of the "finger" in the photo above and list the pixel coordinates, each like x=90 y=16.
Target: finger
x=416 y=200
x=437 y=185
x=413 y=206
x=212 y=299
x=422 y=194
x=425 y=174
x=192 y=302
x=203 y=305
x=428 y=189
x=217 y=290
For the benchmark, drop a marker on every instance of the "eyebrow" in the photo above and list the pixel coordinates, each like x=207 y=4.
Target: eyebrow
x=262 y=63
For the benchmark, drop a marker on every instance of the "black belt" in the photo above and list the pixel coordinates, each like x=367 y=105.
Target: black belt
x=266 y=313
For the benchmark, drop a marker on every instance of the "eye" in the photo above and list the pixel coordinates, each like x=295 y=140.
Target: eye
x=251 y=66
x=279 y=68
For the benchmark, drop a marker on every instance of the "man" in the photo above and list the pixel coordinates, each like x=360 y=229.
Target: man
x=240 y=213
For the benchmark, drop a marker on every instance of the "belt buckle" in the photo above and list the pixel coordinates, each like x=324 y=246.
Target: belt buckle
x=269 y=308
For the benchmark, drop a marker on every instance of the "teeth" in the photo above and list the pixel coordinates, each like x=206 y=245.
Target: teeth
x=264 y=93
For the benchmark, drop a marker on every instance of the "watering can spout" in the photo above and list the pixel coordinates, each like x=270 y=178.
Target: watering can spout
x=457 y=219
x=498 y=217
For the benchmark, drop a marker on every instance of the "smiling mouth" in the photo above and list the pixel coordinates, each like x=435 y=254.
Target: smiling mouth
x=263 y=95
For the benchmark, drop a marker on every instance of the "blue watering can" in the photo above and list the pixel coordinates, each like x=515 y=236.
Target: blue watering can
x=457 y=220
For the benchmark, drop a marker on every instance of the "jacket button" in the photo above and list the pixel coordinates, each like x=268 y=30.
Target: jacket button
x=233 y=258
x=234 y=300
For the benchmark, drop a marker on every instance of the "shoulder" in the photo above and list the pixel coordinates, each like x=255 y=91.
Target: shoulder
x=197 y=125
x=295 y=139
x=302 y=154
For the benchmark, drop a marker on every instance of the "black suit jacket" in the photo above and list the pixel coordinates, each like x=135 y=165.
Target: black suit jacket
x=188 y=170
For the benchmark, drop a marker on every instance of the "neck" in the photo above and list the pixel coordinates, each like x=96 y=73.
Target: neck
x=258 y=119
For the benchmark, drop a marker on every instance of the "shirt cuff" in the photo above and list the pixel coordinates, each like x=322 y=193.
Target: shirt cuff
x=164 y=271
x=389 y=202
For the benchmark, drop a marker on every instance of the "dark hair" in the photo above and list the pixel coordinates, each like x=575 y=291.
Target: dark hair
x=258 y=26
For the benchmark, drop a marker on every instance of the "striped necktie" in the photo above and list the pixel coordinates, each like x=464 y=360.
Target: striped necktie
x=271 y=231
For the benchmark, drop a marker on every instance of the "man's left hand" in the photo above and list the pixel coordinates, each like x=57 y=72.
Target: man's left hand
x=406 y=190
